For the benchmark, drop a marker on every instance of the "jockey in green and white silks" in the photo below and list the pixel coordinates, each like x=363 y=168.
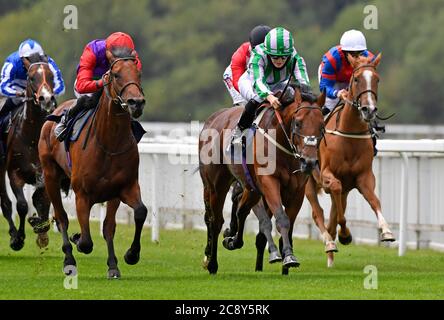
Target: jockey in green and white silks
x=269 y=70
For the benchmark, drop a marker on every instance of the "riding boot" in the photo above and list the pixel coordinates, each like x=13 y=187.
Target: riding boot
x=245 y=121
x=60 y=130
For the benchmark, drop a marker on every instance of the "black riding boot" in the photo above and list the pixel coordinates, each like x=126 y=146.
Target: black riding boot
x=245 y=121
x=375 y=151
x=83 y=103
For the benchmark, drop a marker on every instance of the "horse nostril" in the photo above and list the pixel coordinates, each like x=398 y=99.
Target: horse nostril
x=41 y=99
x=364 y=109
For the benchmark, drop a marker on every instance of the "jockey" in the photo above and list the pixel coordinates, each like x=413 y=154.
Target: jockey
x=269 y=70
x=239 y=62
x=94 y=63
x=14 y=75
x=335 y=70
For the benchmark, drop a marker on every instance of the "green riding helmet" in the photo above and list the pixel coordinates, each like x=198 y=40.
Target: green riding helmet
x=279 y=42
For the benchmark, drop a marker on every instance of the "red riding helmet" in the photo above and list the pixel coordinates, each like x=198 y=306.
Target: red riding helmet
x=119 y=39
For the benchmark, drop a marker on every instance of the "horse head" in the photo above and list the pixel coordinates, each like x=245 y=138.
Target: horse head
x=306 y=128
x=363 y=88
x=40 y=83
x=123 y=82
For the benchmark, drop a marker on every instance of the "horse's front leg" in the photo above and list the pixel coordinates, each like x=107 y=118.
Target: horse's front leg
x=318 y=215
x=83 y=240
x=131 y=196
x=17 y=185
x=109 y=229
x=40 y=223
x=366 y=186
x=6 y=206
x=271 y=191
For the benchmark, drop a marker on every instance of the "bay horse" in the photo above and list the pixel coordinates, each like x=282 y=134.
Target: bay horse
x=346 y=156
x=106 y=169
x=22 y=162
x=303 y=122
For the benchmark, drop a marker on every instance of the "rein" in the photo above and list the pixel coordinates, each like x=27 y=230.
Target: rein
x=35 y=93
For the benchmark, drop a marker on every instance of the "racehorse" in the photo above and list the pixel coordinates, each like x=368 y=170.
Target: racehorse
x=104 y=167
x=22 y=161
x=300 y=120
x=346 y=155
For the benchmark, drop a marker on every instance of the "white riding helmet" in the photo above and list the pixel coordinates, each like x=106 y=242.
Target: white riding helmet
x=29 y=47
x=353 y=40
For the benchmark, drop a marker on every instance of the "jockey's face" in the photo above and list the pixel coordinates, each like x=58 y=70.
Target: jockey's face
x=278 y=61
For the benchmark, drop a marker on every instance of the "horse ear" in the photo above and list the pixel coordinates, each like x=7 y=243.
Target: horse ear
x=109 y=56
x=26 y=63
x=297 y=96
x=321 y=99
x=377 y=59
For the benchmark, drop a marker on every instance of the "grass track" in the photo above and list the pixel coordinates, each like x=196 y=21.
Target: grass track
x=172 y=270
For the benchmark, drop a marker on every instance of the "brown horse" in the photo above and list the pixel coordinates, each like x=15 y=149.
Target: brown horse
x=346 y=156
x=106 y=169
x=283 y=186
x=22 y=161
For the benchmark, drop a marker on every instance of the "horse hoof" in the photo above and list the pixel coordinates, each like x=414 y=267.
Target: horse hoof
x=75 y=238
x=330 y=259
x=228 y=243
x=345 y=240
x=131 y=257
x=205 y=263
x=38 y=225
x=212 y=268
x=290 y=261
x=227 y=233
x=330 y=246
x=387 y=237
x=113 y=274
x=42 y=240
x=17 y=243
x=285 y=271
x=274 y=257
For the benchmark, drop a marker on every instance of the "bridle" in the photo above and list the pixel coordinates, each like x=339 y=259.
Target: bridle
x=356 y=102
x=36 y=93
x=118 y=95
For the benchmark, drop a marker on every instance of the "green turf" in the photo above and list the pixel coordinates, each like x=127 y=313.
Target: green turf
x=172 y=270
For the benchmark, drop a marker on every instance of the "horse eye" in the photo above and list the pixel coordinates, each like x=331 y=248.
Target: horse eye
x=356 y=80
x=116 y=75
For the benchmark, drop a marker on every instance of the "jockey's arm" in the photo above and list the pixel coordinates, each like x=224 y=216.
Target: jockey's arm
x=59 y=84
x=328 y=80
x=7 y=77
x=239 y=63
x=300 y=71
x=85 y=82
x=260 y=86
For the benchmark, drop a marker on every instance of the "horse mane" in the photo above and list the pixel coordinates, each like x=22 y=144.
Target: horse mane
x=35 y=58
x=122 y=52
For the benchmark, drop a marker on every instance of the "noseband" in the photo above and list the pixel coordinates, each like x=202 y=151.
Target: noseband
x=311 y=141
x=356 y=102
x=118 y=99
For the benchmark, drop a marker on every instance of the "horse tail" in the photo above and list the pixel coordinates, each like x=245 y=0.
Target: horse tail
x=65 y=185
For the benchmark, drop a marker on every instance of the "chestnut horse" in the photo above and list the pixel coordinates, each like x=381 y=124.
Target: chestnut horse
x=106 y=169
x=346 y=155
x=22 y=161
x=300 y=120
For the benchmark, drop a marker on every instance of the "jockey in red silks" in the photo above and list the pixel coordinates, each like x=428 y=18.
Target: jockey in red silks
x=239 y=63
x=335 y=70
x=94 y=63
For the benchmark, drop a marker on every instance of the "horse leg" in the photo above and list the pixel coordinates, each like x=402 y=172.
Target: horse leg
x=366 y=186
x=52 y=186
x=245 y=204
x=41 y=223
x=265 y=228
x=132 y=198
x=6 y=206
x=216 y=218
x=271 y=190
x=22 y=208
x=344 y=234
x=318 y=215
x=109 y=229
x=83 y=240
x=235 y=198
